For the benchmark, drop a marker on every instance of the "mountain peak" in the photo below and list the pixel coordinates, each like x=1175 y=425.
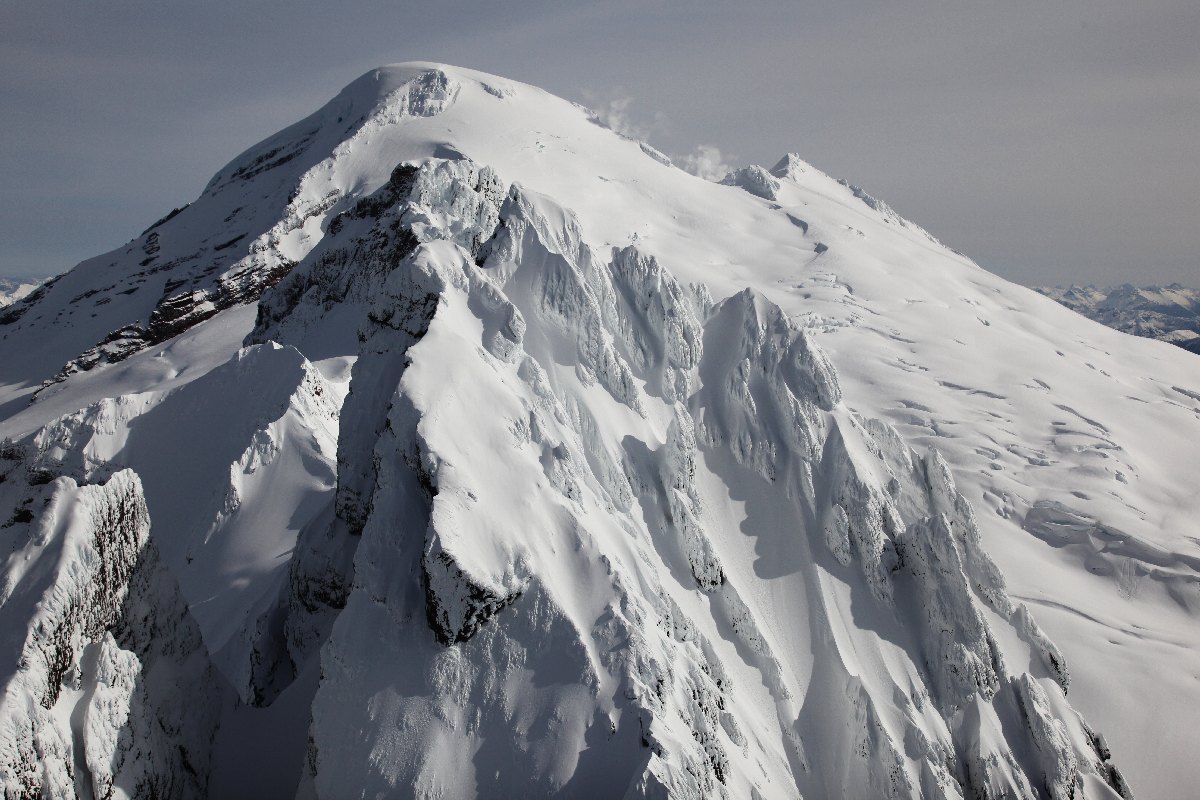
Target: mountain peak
x=789 y=166
x=451 y=443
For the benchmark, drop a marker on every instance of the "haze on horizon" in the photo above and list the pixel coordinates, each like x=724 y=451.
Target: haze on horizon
x=1051 y=144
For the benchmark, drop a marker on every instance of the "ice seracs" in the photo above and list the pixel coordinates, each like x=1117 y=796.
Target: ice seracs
x=486 y=453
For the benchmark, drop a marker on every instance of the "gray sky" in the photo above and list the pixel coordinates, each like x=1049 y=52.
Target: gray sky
x=1053 y=142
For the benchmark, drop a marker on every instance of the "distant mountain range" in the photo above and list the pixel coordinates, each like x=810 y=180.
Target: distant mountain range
x=1168 y=313
x=14 y=289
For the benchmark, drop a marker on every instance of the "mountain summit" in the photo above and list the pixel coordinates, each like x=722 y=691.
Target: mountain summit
x=451 y=444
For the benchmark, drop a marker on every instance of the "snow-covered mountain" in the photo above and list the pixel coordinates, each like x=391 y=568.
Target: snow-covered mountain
x=14 y=289
x=1167 y=313
x=451 y=444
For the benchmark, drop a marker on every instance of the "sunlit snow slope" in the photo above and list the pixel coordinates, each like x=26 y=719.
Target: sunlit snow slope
x=470 y=449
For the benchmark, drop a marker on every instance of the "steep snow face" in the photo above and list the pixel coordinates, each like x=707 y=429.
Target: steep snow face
x=577 y=614
x=257 y=217
x=235 y=464
x=641 y=485
x=1167 y=313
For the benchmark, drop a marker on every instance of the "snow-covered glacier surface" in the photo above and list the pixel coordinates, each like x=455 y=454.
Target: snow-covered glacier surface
x=452 y=445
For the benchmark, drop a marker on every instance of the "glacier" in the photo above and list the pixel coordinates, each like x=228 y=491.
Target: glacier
x=451 y=444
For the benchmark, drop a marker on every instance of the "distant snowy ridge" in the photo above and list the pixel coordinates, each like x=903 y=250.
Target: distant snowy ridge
x=14 y=289
x=472 y=449
x=1167 y=313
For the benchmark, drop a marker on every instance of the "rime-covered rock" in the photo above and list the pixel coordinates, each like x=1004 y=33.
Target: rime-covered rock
x=111 y=693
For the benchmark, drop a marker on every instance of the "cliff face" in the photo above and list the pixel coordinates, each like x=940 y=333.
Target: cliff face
x=451 y=445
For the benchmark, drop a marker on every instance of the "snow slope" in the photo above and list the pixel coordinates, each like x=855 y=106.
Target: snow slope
x=513 y=460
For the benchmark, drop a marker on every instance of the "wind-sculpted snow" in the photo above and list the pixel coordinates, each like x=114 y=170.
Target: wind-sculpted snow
x=488 y=454
x=489 y=533
x=657 y=324
x=755 y=180
x=277 y=441
x=766 y=385
x=256 y=219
